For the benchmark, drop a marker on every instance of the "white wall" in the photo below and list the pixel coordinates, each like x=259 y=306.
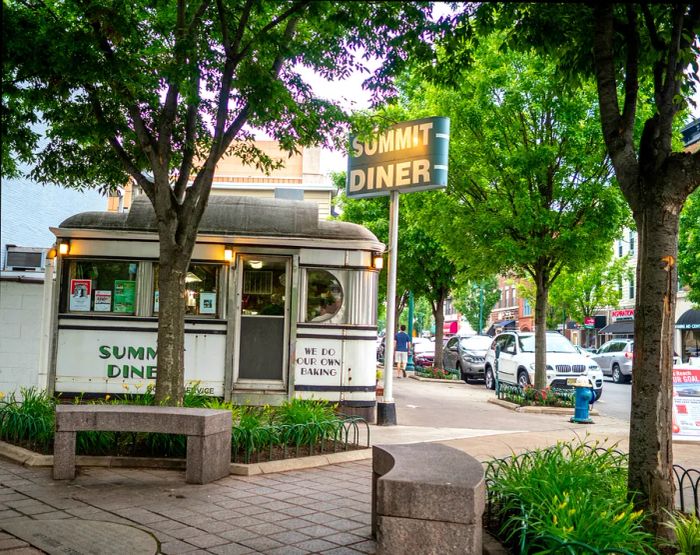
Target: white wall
x=21 y=304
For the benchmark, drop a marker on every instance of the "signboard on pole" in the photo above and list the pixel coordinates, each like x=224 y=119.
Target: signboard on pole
x=408 y=156
x=686 y=403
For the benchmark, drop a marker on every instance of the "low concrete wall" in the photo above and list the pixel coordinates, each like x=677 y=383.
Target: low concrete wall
x=427 y=498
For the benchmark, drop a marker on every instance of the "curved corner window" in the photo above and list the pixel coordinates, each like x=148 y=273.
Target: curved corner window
x=324 y=296
x=201 y=286
x=101 y=286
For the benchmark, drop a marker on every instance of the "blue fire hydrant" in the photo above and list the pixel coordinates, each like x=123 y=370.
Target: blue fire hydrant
x=584 y=396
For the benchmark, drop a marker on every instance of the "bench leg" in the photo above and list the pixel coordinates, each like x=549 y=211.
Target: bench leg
x=208 y=457
x=64 y=456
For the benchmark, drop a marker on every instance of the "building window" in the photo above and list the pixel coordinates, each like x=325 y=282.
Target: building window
x=102 y=286
x=324 y=296
x=619 y=249
x=527 y=309
x=201 y=286
x=633 y=236
x=631 y=286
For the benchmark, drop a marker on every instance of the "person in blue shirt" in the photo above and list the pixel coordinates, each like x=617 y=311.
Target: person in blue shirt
x=402 y=343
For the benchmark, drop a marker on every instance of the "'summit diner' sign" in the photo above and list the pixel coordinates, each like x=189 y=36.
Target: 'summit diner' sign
x=409 y=156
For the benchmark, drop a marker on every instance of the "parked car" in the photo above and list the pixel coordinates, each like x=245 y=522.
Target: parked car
x=615 y=359
x=465 y=355
x=516 y=364
x=424 y=354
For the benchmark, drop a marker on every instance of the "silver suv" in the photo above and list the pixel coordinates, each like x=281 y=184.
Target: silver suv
x=516 y=364
x=615 y=359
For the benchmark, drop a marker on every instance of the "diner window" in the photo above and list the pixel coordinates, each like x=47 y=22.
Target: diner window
x=264 y=287
x=102 y=286
x=201 y=290
x=324 y=296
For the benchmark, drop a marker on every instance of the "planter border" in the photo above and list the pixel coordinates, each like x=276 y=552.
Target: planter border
x=536 y=409
x=25 y=457
x=422 y=379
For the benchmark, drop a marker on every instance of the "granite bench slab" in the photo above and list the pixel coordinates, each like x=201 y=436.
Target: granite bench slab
x=428 y=496
x=208 y=434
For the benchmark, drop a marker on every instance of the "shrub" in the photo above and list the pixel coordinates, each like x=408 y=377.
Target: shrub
x=686 y=529
x=437 y=373
x=574 y=494
x=29 y=421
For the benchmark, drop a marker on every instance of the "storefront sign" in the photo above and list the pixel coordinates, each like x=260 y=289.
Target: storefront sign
x=80 y=295
x=589 y=322
x=91 y=361
x=623 y=314
x=409 y=156
x=686 y=403
x=319 y=362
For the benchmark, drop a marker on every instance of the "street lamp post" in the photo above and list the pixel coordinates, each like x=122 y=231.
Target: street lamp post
x=481 y=307
x=409 y=364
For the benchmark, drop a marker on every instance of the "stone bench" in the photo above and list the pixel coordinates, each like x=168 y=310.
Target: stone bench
x=208 y=434
x=427 y=498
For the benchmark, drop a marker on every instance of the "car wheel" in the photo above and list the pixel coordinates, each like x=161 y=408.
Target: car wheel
x=461 y=373
x=617 y=376
x=489 y=380
x=598 y=394
x=523 y=378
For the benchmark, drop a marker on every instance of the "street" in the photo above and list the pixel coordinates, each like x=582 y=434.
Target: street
x=460 y=405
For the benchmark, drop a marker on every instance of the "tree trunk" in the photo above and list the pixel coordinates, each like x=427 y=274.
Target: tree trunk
x=651 y=451
x=541 y=294
x=170 y=384
x=439 y=315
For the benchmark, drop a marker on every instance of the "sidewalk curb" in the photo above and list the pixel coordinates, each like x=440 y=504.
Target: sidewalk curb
x=536 y=410
x=421 y=379
x=25 y=457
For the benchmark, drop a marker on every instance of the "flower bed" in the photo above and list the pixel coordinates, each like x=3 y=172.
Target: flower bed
x=531 y=396
x=571 y=498
x=436 y=373
x=296 y=428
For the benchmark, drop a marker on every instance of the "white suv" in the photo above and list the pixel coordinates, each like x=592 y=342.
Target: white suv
x=516 y=364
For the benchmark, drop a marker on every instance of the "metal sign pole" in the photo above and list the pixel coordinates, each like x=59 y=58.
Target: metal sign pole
x=386 y=411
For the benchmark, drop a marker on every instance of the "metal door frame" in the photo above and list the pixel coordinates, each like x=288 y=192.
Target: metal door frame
x=235 y=322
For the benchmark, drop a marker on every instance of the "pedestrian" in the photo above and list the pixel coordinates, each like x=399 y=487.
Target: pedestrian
x=402 y=344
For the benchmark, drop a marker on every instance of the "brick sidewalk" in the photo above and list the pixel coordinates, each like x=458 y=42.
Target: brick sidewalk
x=323 y=510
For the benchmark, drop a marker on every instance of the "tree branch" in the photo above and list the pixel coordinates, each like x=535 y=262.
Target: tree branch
x=618 y=139
x=631 y=71
x=129 y=165
x=189 y=145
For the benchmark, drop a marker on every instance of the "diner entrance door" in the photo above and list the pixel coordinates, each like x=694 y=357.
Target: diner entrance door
x=263 y=317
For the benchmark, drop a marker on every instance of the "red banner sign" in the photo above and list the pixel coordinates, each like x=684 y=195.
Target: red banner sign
x=623 y=313
x=686 y=403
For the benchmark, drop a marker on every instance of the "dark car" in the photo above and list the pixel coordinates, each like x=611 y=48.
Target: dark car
x=424 y=354
x=465 y=356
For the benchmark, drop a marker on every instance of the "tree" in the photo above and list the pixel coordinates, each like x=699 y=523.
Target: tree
x=158 y=93
x=641 y=56
x=477 y=298
x=689 y=247
x=423 y=266
x=579 y=295
x=529 y=181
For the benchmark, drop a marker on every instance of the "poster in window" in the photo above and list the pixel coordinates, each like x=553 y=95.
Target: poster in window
x=103 y=301
x=156 y=301
x=80 y=295
x=207 y=303
x=124 y=295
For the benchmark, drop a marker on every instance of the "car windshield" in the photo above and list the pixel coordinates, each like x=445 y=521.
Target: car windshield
x=476 y=343
x=555 y=343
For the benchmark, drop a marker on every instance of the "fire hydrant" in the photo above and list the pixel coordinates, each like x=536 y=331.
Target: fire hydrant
x=584 y=396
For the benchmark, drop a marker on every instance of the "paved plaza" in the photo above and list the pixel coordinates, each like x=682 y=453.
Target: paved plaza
x=316 y=510
x=323 y=510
